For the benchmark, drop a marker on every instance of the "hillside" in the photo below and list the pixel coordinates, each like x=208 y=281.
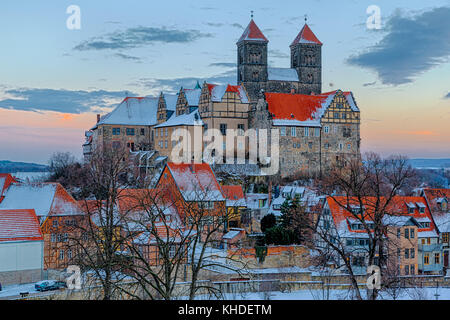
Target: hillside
x=7 y=166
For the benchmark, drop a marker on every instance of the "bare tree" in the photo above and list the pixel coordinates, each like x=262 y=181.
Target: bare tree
x=367 y=190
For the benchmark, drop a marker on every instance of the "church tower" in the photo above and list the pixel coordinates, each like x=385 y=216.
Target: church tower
x=306 y=58
x=252 y=55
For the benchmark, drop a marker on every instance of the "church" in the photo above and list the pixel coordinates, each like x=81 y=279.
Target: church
x=316 y=129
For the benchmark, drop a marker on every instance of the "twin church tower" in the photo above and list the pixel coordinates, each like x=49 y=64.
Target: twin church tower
x=304 y=76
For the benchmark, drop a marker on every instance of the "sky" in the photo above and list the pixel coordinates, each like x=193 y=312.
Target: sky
x=55 y=79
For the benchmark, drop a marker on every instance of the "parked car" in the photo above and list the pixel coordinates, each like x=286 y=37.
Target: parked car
x=46 y=285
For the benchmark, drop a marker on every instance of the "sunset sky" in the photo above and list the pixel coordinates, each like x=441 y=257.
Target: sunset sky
x=54 y=80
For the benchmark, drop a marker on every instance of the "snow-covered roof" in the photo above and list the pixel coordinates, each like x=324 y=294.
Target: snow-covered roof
x=196 y=181
x=298 y=109
x=231 y=234
x=140 y=111
x=253 y=200
x=171 y=101
x=192 y=96
x=306 y=36
x=234 y=195
x=427 y=234
x=282 y=74
x=191 y=119
x=252 y=33
x=44 y=198
x=19 y=225
x=217 y=91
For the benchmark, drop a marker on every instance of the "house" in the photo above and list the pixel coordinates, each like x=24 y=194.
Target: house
x=58 y=214
x=21 y=247
x=306 y=196
x=235 y=204
x=192 y=188
x=439 y=203
x=415 y=248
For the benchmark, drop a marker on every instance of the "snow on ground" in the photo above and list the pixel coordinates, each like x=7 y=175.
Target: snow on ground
x=16 y=289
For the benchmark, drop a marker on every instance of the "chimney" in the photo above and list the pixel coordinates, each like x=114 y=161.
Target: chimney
x=98 y=117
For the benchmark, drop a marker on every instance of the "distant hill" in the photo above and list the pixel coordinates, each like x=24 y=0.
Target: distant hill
x=7 y=166
x=430 y=163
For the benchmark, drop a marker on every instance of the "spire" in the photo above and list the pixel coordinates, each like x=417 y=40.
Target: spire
x=197 y=86
x=252 y=33
x=306 y=36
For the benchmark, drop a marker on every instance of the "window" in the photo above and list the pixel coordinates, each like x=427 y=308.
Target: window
x=426 y=258
x=156 y=132
x=165 y=144
x=406 y=253
x=282 y=131
x=172 y=251
x=167 y=131
x=69 y=253
x=336 y=115
x=412 y=253
x=398 y=233
x=53 y=237
x=65 y=237
x=116 y=131
x=317 y=132
x=445 y=237
x=411 y=210
x=142 y=131
x=349 y=146
x=327 y=145
x=437 y=258
x=293 y=132
x=59 y=237
x=130 y=131
x=411 y=233
x=341 y=146
x=406 y=270
x=241 y=129
x=306 y=131
x=55 y=223
x=61 y=254
x=205 y=126
x=310 y=145
x=411 y=269
x=326 y=129
x=421 y=210
x=407 y=233
x=223 y=128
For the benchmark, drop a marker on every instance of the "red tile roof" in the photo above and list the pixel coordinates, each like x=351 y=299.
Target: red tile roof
x=5 y=181
x=289 y=106
x=397 y=207
x=233 y=192
x=19 y=225
x=305 y=35
x=252 y=33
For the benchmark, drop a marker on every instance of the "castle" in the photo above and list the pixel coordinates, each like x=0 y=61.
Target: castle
x=316 y=129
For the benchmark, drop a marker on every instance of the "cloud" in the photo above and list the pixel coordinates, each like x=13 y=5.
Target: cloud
x=447 y=96
x=369 y=84
x=237 y=25
x=172 y=86
x=66 y=101
x=128 y=57
x=213 y=24
x=411 y=46
x=421 y=133
x=139 y=37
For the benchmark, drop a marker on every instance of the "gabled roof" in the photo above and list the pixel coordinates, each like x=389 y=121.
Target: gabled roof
x=140 y=111
x=217 y=91
x=306 y=36
x=397 y=209
x=19 y=225
x=252 y=33
x=45 y=198
x=290 y=109
x=234 y=195
x=196 y=181
x=190 y=119
x=435 y=197
x=6 y=180
x=192 y=96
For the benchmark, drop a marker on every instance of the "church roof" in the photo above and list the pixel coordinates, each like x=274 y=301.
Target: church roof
x=252 y=33
x=282 y=74
x=217 y=91
x=306 y=36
